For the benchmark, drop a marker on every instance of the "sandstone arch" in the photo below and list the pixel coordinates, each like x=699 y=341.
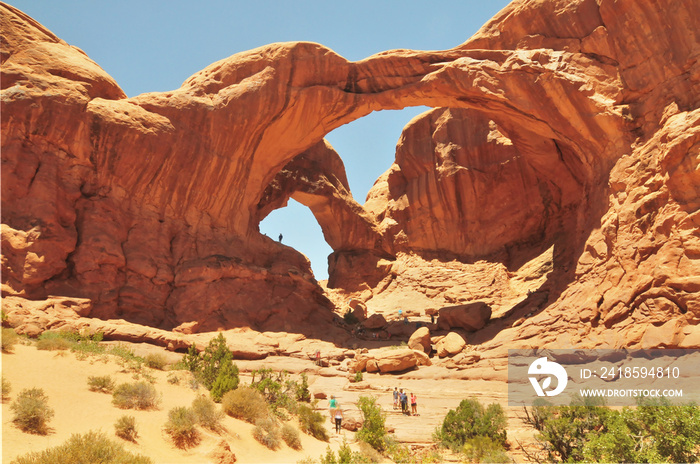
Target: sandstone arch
x=149 y=205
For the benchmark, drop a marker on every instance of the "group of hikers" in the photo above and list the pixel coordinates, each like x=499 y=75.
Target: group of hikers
x=401 y=399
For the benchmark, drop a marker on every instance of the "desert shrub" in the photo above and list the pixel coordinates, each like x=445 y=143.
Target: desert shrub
x=32 y=411
x=226 y=380
x=6 y=388
x=654 y=431
x=125 y=428
x=156 y=361
x=267 y=433
x=245 y=403
x=311 y=422
x=214 y=367
x=470 y=420
x=277 y=389
x=9 y=339
x=302 y=389
x=350 y=318
x=373 y=430
x=102 y=384
x=345 y=456
x=290 y=435
x=137 y=395
x=329 y=457
x=399 y=453
x=483 y=449
x=173 y=379
x=206 y=413
x=368 y=454
x=89 y=448
x=182 y=427
x=216 y=357
x=358 y=377
x=54 y=341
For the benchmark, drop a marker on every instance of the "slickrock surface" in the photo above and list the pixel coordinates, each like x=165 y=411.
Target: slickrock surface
x=556 y=180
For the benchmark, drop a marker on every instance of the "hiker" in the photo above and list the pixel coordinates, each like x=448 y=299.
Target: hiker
x=318 y=357
x=404 y=402
x=332 y=405
x=338 y=419
x=414 y=405
x=280 y=238
x=396 y=398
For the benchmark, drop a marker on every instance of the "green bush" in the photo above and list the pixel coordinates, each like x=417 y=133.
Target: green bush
x=311 y=422
x=89 y=448
x=6 y=388
x=373 y=430
x=267 y=433
x=156 y=361
x=207 y=414
x=137 y=395
x=182 y=427
x=470 y=420
x=302 y=389
x=125 y=428
x=102 y=384
x=9 y=339
x=278 y=390
x=350 y=318
x=654 y=431
x=32 y=411
x=214 y=368
x=290 y=435
x=226 y=380
x=358 y=377
x=245 y=403
x=216 y=357
x=345 y=456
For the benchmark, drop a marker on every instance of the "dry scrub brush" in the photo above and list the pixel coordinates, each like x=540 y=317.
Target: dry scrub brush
x=125 y=428
x=182 y=427
x=137 y=395
x=245 y=403
x=9 y=338
x=101 y=384
x=207 y=413
x=290 y=435
x=32 y=411
x=267 y=432
x=89 y=448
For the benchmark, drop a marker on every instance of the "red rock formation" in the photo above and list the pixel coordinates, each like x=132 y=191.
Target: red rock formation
x=571 y=123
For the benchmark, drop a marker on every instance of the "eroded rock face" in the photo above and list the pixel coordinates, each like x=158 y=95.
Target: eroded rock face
x=571 y=124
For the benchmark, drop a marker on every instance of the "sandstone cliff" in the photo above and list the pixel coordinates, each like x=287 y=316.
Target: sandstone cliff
x=556 y=179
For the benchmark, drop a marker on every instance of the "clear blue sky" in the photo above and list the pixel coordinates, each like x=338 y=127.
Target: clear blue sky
x=150 y=45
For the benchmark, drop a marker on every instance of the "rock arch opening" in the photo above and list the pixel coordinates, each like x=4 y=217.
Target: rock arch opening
x=299 y=230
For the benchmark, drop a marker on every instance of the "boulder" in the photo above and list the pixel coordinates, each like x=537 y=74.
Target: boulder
x=358 y=308
x=471 y=316
x=396 y=360
x=452 y=344
x=352 y=424
x=375 y=321
x=420 y=340
x=372 y=366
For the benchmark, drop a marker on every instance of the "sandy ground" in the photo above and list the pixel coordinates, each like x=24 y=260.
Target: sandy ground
x=78 y=410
